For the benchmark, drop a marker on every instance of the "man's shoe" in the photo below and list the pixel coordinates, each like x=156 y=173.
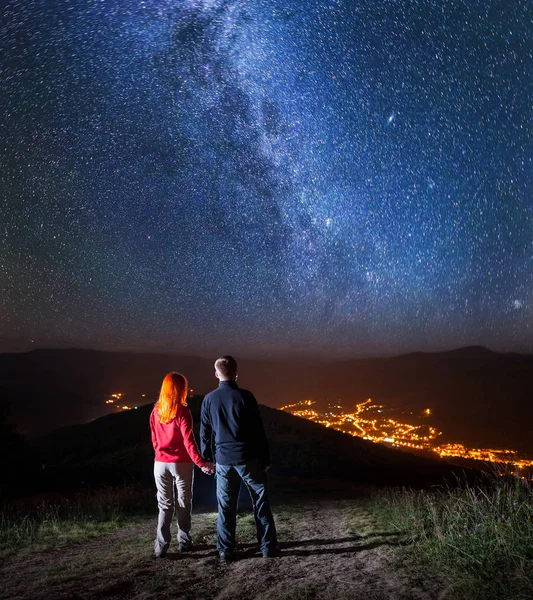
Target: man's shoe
x=184 y=548
x=160 y=554
x=226 y=557
x=271 y=553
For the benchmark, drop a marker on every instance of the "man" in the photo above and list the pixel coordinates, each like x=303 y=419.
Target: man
x=231 y=416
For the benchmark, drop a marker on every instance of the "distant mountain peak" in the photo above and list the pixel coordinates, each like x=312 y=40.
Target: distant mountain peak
x=471 y=352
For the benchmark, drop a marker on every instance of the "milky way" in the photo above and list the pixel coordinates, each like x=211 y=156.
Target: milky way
x=261 y=177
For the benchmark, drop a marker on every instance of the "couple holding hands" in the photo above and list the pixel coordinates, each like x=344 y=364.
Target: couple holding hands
x=230 y=419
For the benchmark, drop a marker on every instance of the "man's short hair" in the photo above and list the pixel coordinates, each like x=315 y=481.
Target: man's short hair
x=226 y=366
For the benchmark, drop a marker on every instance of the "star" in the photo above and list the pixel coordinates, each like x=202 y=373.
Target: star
x=191 y=175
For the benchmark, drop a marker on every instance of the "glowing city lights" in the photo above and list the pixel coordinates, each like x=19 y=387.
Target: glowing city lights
x=368 y=421
x=117 y=399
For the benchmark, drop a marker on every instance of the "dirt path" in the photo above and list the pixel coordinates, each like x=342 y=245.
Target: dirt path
x=330 y=550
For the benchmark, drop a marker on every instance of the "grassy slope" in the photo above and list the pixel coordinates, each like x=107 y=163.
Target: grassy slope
x=478 y=538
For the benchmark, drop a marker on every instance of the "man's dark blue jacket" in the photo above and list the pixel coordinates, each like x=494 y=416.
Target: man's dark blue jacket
x=231 y=417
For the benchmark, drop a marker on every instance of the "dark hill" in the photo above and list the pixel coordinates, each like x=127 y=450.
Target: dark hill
x=116 y=449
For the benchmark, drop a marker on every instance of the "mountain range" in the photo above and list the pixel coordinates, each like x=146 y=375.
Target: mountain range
x=477 y=397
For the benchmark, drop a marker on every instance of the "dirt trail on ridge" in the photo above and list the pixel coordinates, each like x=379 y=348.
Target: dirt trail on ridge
x=331 y=550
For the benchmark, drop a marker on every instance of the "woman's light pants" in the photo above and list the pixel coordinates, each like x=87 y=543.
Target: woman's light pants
x=174 y=491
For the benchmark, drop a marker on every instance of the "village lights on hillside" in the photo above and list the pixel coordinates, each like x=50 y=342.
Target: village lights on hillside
x=112 y=397
x=484 y=454
x=366 y=422
x=115 y=399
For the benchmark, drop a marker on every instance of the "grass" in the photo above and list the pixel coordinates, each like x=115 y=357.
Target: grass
x=53 y=521
x=479 y=539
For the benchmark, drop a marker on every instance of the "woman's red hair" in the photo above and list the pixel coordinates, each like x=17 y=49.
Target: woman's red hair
x=173 y=395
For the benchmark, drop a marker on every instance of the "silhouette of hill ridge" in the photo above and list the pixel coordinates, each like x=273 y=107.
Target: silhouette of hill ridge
x=477 y=396
x=465 y=352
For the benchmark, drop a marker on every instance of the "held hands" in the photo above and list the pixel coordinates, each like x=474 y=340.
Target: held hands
x=208 y=468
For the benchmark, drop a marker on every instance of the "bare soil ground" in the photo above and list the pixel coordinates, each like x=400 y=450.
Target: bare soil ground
x=331 y=550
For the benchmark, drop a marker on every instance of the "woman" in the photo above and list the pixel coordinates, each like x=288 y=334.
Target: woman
x=175 y=450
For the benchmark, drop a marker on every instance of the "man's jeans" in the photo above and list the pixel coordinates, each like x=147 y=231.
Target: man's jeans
x=174 y=483
x=228 y=484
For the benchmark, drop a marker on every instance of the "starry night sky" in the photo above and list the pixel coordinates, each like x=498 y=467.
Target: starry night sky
x=266 y=177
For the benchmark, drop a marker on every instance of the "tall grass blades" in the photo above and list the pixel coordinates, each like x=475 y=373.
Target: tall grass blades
x=477 y=537
x=52 y=520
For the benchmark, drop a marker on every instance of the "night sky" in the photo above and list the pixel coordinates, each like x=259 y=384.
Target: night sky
x=266 y=177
